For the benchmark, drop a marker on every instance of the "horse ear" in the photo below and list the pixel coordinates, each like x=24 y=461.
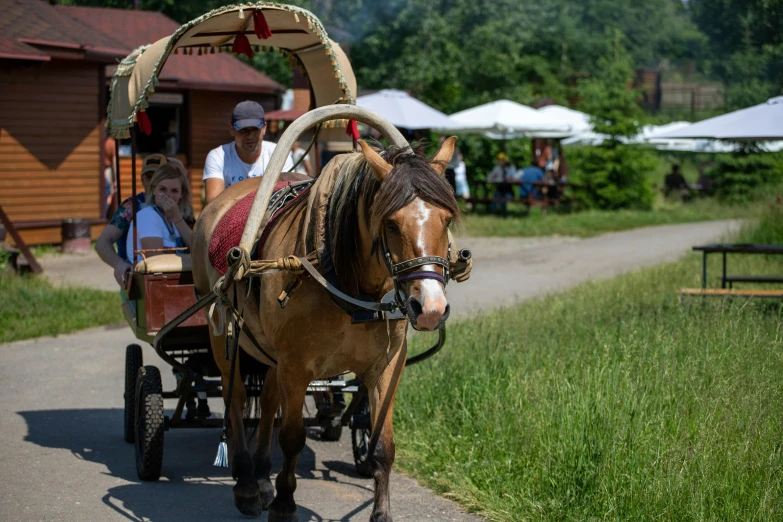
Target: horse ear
x=443 y=157
x=377 y=163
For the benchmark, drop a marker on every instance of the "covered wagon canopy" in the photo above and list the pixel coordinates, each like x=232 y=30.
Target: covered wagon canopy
x=295 y=33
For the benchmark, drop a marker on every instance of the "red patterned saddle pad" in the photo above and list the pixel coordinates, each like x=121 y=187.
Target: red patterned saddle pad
x=228 y=232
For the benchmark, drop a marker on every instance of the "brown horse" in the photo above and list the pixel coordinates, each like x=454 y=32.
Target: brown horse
x=391 y=202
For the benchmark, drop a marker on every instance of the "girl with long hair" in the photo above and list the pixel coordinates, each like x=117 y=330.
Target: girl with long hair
x=167 y=218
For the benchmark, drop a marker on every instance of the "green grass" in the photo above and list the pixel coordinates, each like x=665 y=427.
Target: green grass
x=611 y=401
x=32 y=307
x=595 y=222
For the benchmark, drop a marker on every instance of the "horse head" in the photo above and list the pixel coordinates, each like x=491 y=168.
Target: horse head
x=409 y=222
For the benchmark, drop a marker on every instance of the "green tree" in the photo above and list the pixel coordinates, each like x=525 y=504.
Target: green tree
x=613 y=175
x=746 y=46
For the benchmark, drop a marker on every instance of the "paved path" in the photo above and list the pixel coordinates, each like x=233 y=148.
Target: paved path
x=511 y=270
x=63 y=457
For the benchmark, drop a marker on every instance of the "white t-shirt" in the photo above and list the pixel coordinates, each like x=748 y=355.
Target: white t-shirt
x=151 y=224
x=298 y=153
x=224 y=163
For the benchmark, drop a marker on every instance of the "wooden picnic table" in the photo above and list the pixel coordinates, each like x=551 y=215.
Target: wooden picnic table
x=738 y=248
x=530 y=200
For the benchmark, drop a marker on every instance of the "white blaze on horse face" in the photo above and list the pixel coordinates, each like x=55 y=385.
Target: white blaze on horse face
x=433 y=298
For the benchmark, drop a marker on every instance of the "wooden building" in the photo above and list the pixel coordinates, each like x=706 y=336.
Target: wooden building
x=55 y=66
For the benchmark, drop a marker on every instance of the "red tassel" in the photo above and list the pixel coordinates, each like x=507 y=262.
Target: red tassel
x=353 y=131
x=144 y=123
x=242 y=46
x=260 y=26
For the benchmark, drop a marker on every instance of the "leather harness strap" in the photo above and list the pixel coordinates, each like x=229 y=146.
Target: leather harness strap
x=417 y=262
x=422 y=275
x=367 y=305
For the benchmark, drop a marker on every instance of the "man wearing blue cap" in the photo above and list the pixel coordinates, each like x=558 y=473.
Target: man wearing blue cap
x=247 y=157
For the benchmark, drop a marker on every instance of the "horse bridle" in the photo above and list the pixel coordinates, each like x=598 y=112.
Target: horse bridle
x=400 y=273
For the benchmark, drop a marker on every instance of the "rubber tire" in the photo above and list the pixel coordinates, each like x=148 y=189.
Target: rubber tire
x=332 y=432
x=150 y=423
x=133 y=361
x=360 y=457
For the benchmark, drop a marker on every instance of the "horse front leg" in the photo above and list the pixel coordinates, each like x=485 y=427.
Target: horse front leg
x=246 y=492
x=293 y=387
x=381 y=397
x=262 y=458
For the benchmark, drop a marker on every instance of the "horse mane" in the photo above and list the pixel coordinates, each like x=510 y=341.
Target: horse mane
x=356 y=188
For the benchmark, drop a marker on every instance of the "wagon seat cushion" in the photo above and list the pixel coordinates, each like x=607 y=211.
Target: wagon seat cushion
x=228 y=232
x=164 y=264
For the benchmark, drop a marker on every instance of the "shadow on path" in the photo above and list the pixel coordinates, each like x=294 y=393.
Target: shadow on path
x=190 y=488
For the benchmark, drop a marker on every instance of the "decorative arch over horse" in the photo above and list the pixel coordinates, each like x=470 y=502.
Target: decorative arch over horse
x=380 y=219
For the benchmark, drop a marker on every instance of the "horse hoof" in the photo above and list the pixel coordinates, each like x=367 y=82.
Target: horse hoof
x=278 y=515
x=267 y=492
x=274 y=517
x=380 y=517
x=249 y=506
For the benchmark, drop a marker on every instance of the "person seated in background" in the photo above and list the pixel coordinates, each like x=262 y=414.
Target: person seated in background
x=675 y=181
x=530 y=175
x=167 y=218
x=502 y=175
x=116 y=232
x=554 y=189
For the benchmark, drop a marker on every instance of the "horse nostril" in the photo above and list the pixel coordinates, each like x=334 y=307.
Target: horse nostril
x=415 y=307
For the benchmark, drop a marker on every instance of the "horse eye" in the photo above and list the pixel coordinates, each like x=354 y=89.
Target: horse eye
x=391 y=225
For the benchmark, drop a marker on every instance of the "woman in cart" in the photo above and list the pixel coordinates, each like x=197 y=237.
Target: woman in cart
x=167 y=218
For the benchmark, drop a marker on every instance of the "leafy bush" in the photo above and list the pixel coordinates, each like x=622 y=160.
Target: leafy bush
x=612 y=178
x=736 y=177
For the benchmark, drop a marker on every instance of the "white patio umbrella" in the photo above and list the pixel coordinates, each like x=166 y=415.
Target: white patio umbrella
x=651 y=135
x=505 y=119
x=404 y=111
x=760 y=123
x=648 y=134
x=578 y=121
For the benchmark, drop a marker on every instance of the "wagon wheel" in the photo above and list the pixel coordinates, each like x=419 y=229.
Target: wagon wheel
x=133 y=361
x=149 y=423
x=360 y=437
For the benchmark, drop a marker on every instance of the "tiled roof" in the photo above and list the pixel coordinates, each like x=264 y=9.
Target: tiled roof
x=38 y=23
x=284 y=115
x=11 y=49
x=210 y=71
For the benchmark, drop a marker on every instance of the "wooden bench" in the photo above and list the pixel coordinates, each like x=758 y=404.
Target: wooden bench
x=742 y=248
x=731 y=279
x=530 y=201
x=728 y=292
